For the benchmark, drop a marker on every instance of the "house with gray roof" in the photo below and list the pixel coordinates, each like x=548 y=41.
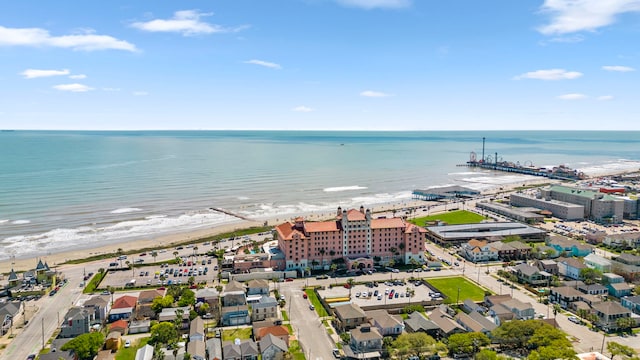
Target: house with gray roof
x=632 y=303
x=8 y=312
x=547 y=265
x=598 y=262
x=197 y=350
x=570 y=267
x=593 y=289
x=471 y=324
x=266 y=307
x=348 y=316
x=76 y=322
x=233 y=294
x=196 y=329
x=145 y=353
x=365 y=343
x=417 y=322
x=619 y=289
x=521 y=310
x=628 y=259
x=446 y=324
x=531 y=275
x=214 y=349
x=564 y=296
x=272 y=347
x=258 y=287
x=608 y=313
x=387 y=325
x=470 y=305
x=99 y=304
x=246 y=350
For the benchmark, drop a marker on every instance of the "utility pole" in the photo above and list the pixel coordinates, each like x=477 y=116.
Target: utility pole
x=43 y=333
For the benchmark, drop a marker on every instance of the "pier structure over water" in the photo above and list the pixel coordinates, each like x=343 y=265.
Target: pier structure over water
x=560 y=172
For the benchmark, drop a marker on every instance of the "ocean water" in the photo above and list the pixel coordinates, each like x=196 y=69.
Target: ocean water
x=62 y=189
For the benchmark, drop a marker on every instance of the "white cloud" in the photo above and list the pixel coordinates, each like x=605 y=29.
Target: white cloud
x=73 y=87
x=35 y=73
x=605 y=97
x=572 y=97
x=618 y=68
x=569 y=16
x=302 y=108
x=372 y=4
x=78 y=76
x=550 y=74
x=140 y=93
x=110 y=89
x=185 y=22
x=264 y=63
x=371 y=93
x=40 y=37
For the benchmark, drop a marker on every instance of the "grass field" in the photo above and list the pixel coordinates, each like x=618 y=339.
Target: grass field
x=451 y=218
x=316 y=302
x=449 y=287
x=232 y=334
x=130 y=353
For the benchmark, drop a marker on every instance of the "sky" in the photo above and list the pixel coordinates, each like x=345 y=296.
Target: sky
x=320 y=65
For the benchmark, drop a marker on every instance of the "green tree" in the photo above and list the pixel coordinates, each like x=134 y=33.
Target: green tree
x=345 y=337
x=589 y=275
x=618 y=349
x=350 y=282
x=85 y=346
x=625 y=323
x=188 y=298
x=204 y=308
x=161 y=302
x=486 y=354
x=154 y=254
x=547 y=335
x=164 y=333
x=467 y=343
x=414 y=343
x=515 y=334
x=552 y=353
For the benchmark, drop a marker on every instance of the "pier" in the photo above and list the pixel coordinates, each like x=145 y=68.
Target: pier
x=559 y=172
x=227 y=212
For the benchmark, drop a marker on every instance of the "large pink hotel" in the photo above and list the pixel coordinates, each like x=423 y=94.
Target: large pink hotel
x=354 y=236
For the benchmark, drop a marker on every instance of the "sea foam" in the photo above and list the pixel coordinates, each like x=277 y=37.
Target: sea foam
x=344 y=188
x=20 y=222
x=125 y=210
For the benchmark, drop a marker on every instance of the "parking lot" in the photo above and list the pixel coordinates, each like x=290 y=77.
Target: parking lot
x=202 y=268
x=383 y=293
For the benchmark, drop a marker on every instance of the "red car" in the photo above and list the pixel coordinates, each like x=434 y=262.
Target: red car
x=289 y=279
x=304 y=295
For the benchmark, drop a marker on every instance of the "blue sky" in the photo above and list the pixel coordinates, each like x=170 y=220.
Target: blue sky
x=320 y=64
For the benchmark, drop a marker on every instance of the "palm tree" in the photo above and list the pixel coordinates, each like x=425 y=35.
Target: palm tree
x=175 y=254
x=154 y=254
x=350 y=281
x=322 y=256
x=556 y=309
x=332 y=253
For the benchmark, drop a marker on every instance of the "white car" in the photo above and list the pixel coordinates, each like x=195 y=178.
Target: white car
x=127 y=343
x=574 y=319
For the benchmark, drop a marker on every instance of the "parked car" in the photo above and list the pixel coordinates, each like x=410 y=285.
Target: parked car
x=127 y=343
x=574 y=319
x=311 y=307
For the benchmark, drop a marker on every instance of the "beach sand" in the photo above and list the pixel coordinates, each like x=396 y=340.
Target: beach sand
x=56 y=259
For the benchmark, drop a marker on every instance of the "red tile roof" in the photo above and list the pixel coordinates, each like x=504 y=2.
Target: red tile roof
x=355 y=215
x=321 y=226
x=125 y=302
x=391 y=223
x=287 y=230
x=278 y=330
x=119 y=324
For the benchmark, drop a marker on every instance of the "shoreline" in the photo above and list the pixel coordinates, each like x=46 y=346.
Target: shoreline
x=169 y=240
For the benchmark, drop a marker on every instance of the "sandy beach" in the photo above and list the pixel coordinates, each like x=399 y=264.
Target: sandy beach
x=57 y=259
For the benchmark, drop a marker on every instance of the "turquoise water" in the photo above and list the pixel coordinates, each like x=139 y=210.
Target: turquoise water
x=66 y=189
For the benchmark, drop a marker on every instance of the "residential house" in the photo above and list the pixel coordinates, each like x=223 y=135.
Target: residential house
x=622 y=240
x=475 y=323
x=246 y=350
x=593 y=289
x=632 y=303
x=233 y=294
x=547 y=265
x=214 y=349
x=272 y=348
x=628 y=259
x=13 y=279
x=514 y=250
x=631 y=273
x=545 y=252
x=197 y=349
x=139 y=326
x=348 y=316
x=387 y=325
x=564 y=296
x=9 y=312
x=611 y=278
x=446 y=324
x=417 y=322
x=171 y=314
x=123 y=308
x=521 y=310
x=265 y=323
x=608 y=313
x=619 y=289
x=531 y=275
x=278 y=331
x=146 y=353
x=196 y=330
x=570 y=267
x=470 y=305
x=119 y=326
x=492 y=300
x=208 y=295
x=598 y=262
x=145 y=300
x=568 y=247
x=76 y=322
x=258 y=287
x=266 y=307
x=99 y=305
x=235 y=315
x=365 y=343
x=478 y=251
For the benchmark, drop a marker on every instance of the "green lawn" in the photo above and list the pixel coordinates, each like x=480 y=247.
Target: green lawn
x=449 y=287
x=451 y=218
x=316 y=302
x=130 y=353
x=232 y=334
